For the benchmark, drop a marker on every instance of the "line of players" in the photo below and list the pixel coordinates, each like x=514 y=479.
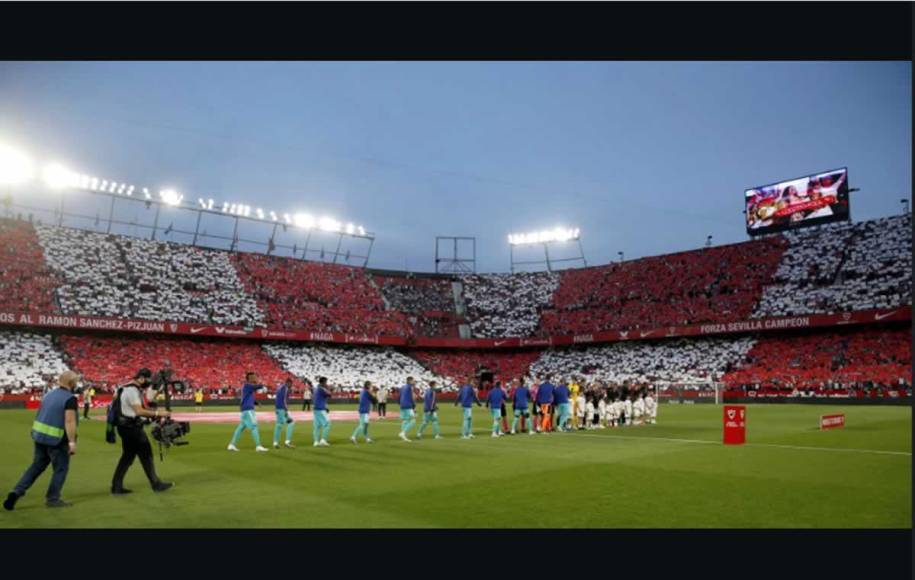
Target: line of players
x=533 y=408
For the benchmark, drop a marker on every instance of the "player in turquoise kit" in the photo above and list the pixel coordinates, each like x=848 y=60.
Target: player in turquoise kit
x=430 y=412
x=366 y=400
x=407 y=409
x=282 y=416
x=248 y=416
x=494 y=400
x=321 y=427
x=466 y=398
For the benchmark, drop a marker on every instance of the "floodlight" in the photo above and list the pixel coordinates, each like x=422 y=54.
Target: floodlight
x=15 y=166
x=305 y=221
x=350 y=229
x=329 y=224
x=56 y=176
x=361 y=231
x=171 y=197
x=260 y=213
x=146 y=193
x=273 y=216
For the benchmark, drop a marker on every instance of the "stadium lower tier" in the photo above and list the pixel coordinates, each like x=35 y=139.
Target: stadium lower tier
x=807 y=364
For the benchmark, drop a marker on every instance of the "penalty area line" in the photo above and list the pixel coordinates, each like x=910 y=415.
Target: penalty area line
x=774 y=445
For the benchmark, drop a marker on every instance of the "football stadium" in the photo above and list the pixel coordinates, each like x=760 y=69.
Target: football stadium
x=167 y=350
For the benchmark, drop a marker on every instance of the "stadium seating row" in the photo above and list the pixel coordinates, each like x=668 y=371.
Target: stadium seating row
x=816 y=361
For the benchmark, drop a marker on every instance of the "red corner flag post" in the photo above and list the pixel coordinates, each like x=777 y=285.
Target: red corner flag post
x=735 y=424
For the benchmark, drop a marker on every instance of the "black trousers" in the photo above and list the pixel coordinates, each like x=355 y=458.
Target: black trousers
x=306 y=405
x=382 y=409
x=86 y=411
x=134 y=443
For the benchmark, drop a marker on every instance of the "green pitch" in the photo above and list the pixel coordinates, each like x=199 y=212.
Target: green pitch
x=674 y=474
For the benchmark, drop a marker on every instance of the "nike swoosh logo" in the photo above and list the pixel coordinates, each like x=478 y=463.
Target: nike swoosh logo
x=196 y=330
x=500 y=342
x=644 y=334
x=882 y=316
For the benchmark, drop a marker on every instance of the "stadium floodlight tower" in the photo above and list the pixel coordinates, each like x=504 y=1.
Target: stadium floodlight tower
x=456 y=264
x=258 y=228
x=547 y=238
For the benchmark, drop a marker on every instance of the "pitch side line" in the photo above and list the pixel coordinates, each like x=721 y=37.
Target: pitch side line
x=776 y=445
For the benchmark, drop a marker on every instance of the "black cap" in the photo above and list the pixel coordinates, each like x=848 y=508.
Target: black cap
x=144 y=372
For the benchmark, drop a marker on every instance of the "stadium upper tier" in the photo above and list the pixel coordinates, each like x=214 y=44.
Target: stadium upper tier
x=837 y=268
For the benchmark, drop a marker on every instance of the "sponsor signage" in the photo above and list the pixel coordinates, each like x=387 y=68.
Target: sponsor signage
x=50 y=320
x=832 y=421
x=735 y=424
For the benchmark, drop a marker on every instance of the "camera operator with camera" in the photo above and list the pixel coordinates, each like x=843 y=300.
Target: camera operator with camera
x=132 y=415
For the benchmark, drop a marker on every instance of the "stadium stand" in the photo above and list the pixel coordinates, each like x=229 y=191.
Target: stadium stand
x=710 y=285
x=427 y=302
x=502 y=305
x=821 y=363
x=460 y=364
x=27 y=360
x=318 y=296
x=700 y=360
x=26 y=282
x=349 y=367
x=113 y=275
x=843 y=267
x=211 y=364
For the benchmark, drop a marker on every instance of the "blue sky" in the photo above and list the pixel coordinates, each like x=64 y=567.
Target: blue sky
x=644 y=157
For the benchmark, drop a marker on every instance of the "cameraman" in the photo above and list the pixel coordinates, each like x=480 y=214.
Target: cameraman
x=134 y=442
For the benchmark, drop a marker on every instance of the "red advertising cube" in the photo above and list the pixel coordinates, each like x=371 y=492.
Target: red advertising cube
x=735 y=424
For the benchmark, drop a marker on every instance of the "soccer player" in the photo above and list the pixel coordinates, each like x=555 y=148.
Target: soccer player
x=651 y=408
x=520 y=397
x=544 y=400
x=366 y=400
x=87 y=401
x=282 y=415
x=430 y=412
x=580 y=410
x=574 y=390
x=407 y=409
x=248 y=416
x=494 y=401
x=627 y=411
x=466 y=398
x=561 y=400
x=535 y=416
x=638 y=410
x=321 y=427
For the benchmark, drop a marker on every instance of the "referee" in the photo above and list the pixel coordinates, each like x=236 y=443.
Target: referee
x=134 y=442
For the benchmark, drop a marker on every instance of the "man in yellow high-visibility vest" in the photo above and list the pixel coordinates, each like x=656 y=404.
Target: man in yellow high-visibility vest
x=574 y=389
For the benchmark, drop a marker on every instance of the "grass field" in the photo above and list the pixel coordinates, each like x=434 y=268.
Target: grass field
x=671 y=475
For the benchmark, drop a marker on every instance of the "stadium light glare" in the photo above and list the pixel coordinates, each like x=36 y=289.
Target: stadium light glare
x=15 y=166
x=273 y=216
x=304 y=221
x=260 y=213
x=130 y=190
x=93 y=184
x=146 y=193
x=545 y=236
x=329 y=224
x=56 y=176
x=171 y=197
x=350 y=229
x=361 y=230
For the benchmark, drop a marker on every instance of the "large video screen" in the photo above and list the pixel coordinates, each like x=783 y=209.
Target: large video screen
x=805 y=201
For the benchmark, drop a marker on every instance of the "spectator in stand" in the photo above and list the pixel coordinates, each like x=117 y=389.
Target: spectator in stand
x=112 y=275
